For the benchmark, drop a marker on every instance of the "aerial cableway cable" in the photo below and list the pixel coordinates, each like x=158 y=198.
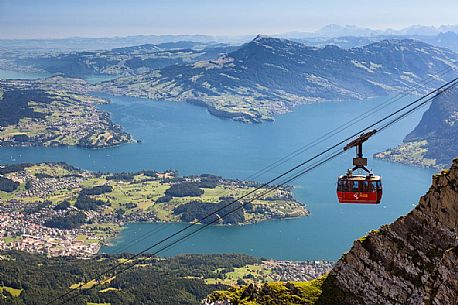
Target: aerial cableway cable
x=328 y=135
x=326 y=155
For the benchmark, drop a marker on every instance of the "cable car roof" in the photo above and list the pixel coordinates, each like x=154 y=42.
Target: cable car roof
x=361 y=177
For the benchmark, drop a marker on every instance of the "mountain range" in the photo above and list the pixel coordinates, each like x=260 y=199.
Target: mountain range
x=335 y=30
x=447 y=40
x=269 y=75
x=104 y=43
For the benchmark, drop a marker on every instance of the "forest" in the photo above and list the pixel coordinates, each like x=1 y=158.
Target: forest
x=176 y=280
x=15 y=105
x=199 y=210
x=67 y=222
x=8 y=185
x=184 y=189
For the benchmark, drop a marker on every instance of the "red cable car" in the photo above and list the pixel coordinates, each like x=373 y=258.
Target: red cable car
x=361 y=189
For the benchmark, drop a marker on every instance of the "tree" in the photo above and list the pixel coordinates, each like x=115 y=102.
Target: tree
x=8 y=185
x=184 y=189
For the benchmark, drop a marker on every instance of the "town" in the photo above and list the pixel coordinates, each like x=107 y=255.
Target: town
x=19 y=231
x=287 y=271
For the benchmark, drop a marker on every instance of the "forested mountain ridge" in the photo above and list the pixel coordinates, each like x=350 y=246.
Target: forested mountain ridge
x=268 y=76
x=447 y=39
x=434 y=142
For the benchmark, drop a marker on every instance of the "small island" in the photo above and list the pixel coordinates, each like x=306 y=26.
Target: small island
x=60 y=210
x=31 y=115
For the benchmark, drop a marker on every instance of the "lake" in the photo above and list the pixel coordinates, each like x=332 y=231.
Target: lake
x=185 y=137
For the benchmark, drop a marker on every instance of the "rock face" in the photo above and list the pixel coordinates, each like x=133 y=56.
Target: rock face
x=412 y=261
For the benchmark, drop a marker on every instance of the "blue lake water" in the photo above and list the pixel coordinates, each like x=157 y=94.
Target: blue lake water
x=187 y=138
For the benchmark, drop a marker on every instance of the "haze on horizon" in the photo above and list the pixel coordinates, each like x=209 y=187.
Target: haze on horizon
x=107 y=18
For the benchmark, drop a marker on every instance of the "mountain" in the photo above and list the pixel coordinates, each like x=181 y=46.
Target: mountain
x=435 y=139
x=424 y=30
x=268 y=76
x=335 y=30
x=447 y=40
x=409 y=262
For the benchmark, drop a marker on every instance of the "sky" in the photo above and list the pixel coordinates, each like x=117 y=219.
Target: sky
x=107 y=18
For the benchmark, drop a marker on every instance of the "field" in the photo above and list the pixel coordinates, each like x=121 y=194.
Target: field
x=253 y=273
x=13 y=291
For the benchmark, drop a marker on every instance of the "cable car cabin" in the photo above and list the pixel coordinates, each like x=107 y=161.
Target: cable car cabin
x=362 y=189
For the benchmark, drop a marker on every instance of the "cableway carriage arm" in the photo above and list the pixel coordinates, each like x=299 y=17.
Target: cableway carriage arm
x=359 y=161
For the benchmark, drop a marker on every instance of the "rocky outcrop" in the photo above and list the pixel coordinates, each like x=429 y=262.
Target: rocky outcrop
x=412 y=261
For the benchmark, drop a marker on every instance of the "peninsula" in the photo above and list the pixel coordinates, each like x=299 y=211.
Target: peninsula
x=31 y=115
x=59 y=210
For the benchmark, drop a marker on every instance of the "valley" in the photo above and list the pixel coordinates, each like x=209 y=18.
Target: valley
x=198 y=142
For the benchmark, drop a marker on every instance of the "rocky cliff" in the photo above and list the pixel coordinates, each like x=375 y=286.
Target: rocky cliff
x=411 y=261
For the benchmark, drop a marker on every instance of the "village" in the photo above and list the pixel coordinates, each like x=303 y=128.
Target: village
x=26 y=232
x=285 y=271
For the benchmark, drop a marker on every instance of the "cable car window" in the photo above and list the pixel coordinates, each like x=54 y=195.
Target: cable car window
x=373 y=186
x=355 y=186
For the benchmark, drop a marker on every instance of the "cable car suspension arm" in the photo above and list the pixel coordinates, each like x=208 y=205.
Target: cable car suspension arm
x=359 y=161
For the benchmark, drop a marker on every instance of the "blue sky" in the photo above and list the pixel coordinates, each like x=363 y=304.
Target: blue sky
x=98 y=18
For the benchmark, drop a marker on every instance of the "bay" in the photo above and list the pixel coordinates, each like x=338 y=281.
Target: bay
x=187 y=138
